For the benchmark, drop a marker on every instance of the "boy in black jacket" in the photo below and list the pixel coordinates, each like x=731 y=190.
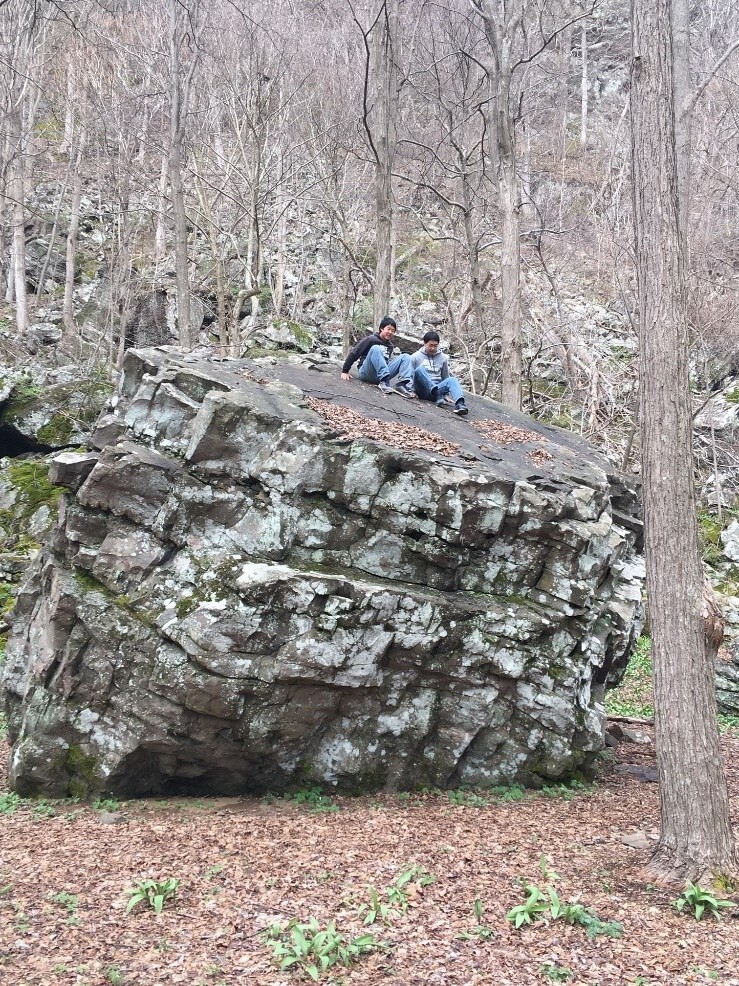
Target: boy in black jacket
x=376 y=365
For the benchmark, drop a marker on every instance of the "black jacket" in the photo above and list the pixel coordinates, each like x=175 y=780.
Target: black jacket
x=363 y=347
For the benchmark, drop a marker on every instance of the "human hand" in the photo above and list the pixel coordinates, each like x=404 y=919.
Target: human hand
x=346 y=376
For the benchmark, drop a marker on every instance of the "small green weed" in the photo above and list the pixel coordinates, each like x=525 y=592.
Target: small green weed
x=44 y=809
x=464 y=798
x=566 y=791
x=535 y=906
x=555 y=973
x=10 y=802
x=506 y=793
x=114 y=975
x=388 y=905
x=313 y=798
x=315 y=950
x=214 y=870
x=21 y=921
x=546 y=903
x=152 y=892
x=728 y=724
x=69 y=901
x=480 y=930
x=106 y=804
x=701 y=903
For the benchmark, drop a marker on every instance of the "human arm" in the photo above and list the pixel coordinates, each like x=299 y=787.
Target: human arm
x=357 y=352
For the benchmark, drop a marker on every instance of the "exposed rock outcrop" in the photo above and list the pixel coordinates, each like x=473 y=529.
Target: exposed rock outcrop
x=244 y=593
x=40 y=419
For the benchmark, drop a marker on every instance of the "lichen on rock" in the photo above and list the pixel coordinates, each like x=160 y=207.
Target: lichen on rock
x=240 y=597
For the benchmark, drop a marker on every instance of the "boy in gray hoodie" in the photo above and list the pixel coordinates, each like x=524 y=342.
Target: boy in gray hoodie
x=432 y=380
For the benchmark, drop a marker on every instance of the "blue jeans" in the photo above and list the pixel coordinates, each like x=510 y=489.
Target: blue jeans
x=423 y=385
x=376 y=367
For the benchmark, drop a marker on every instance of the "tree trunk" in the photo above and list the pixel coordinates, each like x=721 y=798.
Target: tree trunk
x=160 y=236
x=17 y=195
x=583 y=86
x=74 y=222
x=510 y=283
x=178 y=110
x=696 y=837
x=385 y=50
x=682 y=90
x=500 y=29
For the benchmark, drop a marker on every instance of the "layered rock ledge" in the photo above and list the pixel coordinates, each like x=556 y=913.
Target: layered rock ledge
x=244 y=592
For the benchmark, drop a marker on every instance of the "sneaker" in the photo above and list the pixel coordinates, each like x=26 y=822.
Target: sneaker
x=405 y=389
x=385 y=388
x=442 y=403
x=461 y=408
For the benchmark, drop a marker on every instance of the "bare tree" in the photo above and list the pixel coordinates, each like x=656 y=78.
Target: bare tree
x=381 y=87
x=517 y=34
x=696 y=836
x=184 y=34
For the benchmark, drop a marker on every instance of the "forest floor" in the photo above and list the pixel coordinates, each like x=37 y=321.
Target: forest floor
x=446 y=868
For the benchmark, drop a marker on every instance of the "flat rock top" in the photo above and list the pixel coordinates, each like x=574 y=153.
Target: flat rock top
x=510 y=444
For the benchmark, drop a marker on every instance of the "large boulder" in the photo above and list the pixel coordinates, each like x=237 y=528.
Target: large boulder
x=253 y=586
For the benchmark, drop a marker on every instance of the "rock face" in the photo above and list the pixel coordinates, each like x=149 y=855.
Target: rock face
x=243 y=593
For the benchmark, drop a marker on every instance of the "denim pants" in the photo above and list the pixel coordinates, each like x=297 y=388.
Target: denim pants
x=376 y=367
x=423 y=385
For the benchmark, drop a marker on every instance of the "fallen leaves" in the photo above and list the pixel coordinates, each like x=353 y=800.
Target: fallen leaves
x=351 y=424
x=504 y=434
x=510 y=435
x=244 y=865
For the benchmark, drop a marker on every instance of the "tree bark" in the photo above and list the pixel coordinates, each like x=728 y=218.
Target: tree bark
x=682 y=90
x=17 y=195
x=500 y=28
x=74 y=222
x=179 y=89
x=696 y=836
x=385 y=48
x=583 y=86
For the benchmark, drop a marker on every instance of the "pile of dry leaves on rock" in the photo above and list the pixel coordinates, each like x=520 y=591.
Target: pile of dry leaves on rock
x=350 y=424
x=438 y=871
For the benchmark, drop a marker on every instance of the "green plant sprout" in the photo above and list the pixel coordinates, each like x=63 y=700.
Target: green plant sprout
x=701 y=903
x=393 y=902
x=313 y=949
x=545 y=903
x=152 y=892
x=481 y=931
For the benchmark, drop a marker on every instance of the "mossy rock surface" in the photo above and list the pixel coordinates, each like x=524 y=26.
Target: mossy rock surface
x=57 y=416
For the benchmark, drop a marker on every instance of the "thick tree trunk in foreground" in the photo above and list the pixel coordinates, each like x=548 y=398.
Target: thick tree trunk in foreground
x=696 y=837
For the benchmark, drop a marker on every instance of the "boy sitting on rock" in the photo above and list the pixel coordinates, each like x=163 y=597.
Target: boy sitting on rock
x=431 y=378
x=374 y=354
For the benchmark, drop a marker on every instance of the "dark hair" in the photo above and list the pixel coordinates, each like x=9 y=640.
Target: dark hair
x=431 y=337
x=388 y=321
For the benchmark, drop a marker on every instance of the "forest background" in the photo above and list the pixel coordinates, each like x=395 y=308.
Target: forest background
x=276 y=176
x=314 y=166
